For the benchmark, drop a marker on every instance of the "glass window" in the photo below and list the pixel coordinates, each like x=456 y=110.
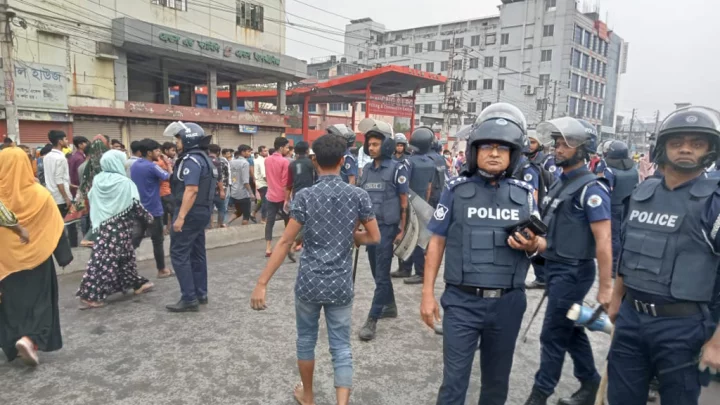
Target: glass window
x=427 y=109
x=418 y=48
x=583 y=85
x=503 y=61
x=548 y=30
x=487 y=84
x=430 y=67
x=431 y=46
x=546 y=55
x=576 y=56
x=417 y=66
x=417 y=108
x=445 y=44
x=406 y=49
x=575 y=83
x=393 y=51
x=457 y=64
x=459 y=42
x=429 y=89
x=504 y=39
x=471 y=107
x=486 y=104
x=544 y=79
x=586 y=41
x=573 y=104
x=501 y=85
x=247 y=15
x=490 y=39
x=456 y=85
x=489 y=61
x=474 y=63
x=578 y=35
x=382 y=52
x=443 y=66
x=475 y=40
x=585 y=62
x=472 y=84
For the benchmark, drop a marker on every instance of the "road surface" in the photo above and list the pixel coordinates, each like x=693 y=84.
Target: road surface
x=133 y=352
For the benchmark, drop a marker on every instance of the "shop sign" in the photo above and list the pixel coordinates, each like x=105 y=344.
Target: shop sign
x=248 y=129
x=395 y=106
x=228 y=51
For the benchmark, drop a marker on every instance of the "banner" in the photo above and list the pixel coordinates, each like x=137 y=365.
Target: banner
x=395 y=106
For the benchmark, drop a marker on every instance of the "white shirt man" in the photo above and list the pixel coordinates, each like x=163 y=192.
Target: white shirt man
x=57 y=174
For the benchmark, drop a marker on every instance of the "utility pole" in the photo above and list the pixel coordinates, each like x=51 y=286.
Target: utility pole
x=545 y=101
x=657 y=120
x=552 y=114
x=446 y=96
x=6 y=51
x=459 y=107
x=632 y=122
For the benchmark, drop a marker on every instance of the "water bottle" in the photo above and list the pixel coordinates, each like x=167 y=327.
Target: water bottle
x=582 y=314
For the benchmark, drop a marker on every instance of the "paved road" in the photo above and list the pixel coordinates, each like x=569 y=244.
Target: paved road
x=133 y=352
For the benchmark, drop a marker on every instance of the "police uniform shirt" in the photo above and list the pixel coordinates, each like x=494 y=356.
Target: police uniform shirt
x=610 y=176
x=593 y=203
x=550 y=166
x=350 y=167
x=442 y=218
x=190 y=175
x=530 y=175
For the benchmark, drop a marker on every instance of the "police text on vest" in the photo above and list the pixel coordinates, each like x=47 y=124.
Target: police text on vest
x=653 y=218
x=493 y=213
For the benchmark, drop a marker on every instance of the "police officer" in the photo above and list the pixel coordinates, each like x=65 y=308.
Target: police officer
x=536 y=154
x=349 y=171
x=401 y=148
x=623 y=176
x=668 y=270
x=577 y=212
x=386 y=181
x=422 y=175
x=485 y=264
x=193 y=187
x=439 y=180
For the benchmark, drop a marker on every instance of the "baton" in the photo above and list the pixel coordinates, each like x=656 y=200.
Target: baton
x=355 y=261
x=527 y=329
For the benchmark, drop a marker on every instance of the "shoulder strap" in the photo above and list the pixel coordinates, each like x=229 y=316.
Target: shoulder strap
x=578 y=183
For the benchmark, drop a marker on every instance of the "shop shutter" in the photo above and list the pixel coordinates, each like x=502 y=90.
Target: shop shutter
x=153 y=129
x=229 y=137
x=35 y=133
x=89 y=127
x=265 y=136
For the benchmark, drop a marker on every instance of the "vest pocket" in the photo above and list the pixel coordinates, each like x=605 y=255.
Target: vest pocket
x=504 y=254
x=694 y=276
x=482 y=247
x=643 y=251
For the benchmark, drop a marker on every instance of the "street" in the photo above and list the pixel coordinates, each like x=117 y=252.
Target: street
x=134 y=352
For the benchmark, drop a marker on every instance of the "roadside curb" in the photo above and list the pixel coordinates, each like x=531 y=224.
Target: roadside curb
x=214 y=238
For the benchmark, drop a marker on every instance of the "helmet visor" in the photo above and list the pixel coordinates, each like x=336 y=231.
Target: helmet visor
x=568 y=128
x=371 y=124
x=173 y=129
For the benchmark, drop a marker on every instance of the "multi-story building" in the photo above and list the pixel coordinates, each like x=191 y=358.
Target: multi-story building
x=127 y=68
x=545 y=56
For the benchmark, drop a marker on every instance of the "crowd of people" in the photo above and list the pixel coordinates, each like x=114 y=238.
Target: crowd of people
x=552 y=199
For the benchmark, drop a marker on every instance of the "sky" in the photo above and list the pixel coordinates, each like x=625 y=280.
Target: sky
x=674 y=53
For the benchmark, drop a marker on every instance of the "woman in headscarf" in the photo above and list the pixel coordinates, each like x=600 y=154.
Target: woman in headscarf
x=31 y=231
x=88 y=170
x=115 y=206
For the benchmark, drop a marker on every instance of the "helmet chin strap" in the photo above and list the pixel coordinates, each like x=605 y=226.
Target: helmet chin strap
x=489 y=176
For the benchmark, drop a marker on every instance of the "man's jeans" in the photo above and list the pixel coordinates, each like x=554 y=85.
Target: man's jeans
x=157 y=238
x=339 y=322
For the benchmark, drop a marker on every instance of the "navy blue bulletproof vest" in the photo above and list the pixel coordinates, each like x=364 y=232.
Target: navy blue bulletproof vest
x=570 y=237
x=423 y=171
x=208 y=178
x=379 y=184
x=477 y=253
x=665 y=250
x=625 y=182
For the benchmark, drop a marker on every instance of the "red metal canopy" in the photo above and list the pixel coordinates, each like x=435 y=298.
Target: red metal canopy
x=383 y=81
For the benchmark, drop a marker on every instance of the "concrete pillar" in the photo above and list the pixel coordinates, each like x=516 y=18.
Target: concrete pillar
x=186 y=95
x=212 y=88
x=165 y=85
x=233 y=97
x=281 y=98
x=121 y=76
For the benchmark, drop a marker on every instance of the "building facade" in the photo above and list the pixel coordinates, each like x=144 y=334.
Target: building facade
x=127 y=68
x=545 y=56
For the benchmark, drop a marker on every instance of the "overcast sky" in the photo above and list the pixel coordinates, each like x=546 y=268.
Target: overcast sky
x=674 y=53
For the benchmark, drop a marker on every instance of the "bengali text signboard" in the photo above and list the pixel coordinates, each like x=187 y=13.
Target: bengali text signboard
x=38 y=86
x=395 y=106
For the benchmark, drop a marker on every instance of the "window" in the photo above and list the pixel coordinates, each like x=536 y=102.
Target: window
x=431 y=46
x=485 y=104
x=417 y=108
x=540 y=104
x=406 y=49
x=487 y=84
x=474 y=63
x=427 y=108
x=575 y=83
x=393 y=51
x=429 y=89
x=361 y=55
x=489 y=61
x=600 y=111
x=546 y=55
x=418 y=47
x=176 y=4
x=457 y=64
x=594 y=110
x=544 y=79
x=442 y=88
x=490 y=39
x=585 y=62
x=592 y=65
x=596 y=91
x=362 y=107
x=602 y=90
x=457 y=85
x=472 y=84
x=471 y=107
x=586 y=40
x=339 y=106
x=576 y=56
x=504 y=39
x=443 y=66
x=445 y=44
x=312 y=108
x=604 y=69
x=501 y=85
x=459 y=42
x=578 y=35
x=548 y=30
x=594 y=43
x=591 y=85
x=583 y=85
x=440 y=108
x=453 y=121
x=430 y=66
x=382 y=52
x=417 y=66
x=572 y=104
x=475 y=40
x=606 y=49
x=581 y=108
x=503 y=61
x=248 y=15
x=550 y=4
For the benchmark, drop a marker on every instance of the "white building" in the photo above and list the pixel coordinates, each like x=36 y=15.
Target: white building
x=545 y=56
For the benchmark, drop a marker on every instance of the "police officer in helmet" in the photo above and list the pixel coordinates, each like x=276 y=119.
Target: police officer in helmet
x=422 y=171
x=349 y=171
x=439 y=181
x=193 y=185
x=401 y=148
x=485 y=263
x=664 y=298
x=536 y=153
x=577 y=213
x=386 y=181
x=622 y=175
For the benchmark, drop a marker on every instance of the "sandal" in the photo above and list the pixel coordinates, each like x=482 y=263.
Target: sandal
x=147 y=287
x=90 y=305
x=166 y=275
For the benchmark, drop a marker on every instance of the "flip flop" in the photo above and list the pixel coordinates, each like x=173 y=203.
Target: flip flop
x=168 y=275
x=147 y=287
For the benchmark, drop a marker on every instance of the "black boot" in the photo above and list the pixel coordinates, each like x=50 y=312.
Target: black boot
x=184 y=306
x=368 y=330
x=584 y=396
x=536 y=398
x=389 y=311
x=416 y=279
x=400 y=273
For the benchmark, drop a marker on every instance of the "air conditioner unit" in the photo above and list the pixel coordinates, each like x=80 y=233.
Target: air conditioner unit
x=529 y=90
